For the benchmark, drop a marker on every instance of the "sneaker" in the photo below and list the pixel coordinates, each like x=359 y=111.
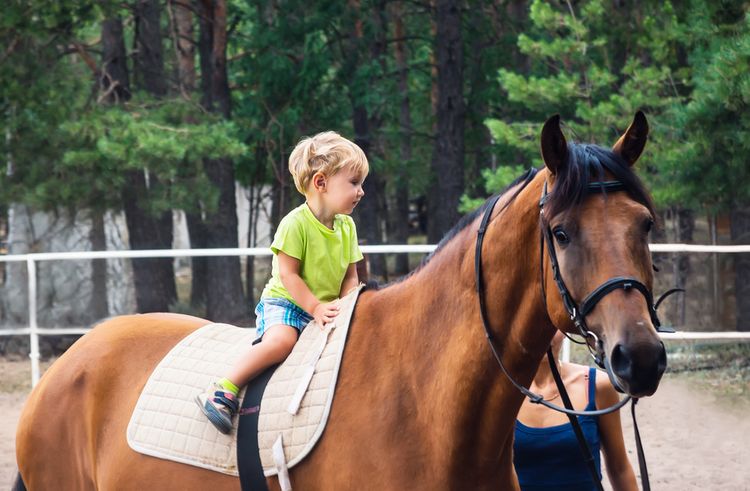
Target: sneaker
x=219 y=406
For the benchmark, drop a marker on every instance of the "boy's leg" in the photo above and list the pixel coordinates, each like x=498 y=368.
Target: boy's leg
x=220 y=403
x=277 y=343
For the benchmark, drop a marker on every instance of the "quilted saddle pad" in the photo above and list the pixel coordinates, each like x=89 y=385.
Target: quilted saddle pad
x=167 y=423
x=297 y=400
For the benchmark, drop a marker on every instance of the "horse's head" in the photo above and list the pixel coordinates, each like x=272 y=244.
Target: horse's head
x=599 y=234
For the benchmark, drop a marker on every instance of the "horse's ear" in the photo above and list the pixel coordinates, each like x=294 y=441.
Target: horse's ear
x=631 y=144
x=554 y=146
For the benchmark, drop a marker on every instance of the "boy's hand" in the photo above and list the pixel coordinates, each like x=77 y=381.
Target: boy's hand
x=324 y=313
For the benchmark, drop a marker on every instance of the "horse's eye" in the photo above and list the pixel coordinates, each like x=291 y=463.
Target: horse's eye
x=561 y=236
x=649 y=225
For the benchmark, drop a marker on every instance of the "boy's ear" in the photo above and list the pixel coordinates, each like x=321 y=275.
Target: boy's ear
x=319 y=181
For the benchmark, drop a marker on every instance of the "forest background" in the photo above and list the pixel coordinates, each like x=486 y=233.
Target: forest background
x=149 y=106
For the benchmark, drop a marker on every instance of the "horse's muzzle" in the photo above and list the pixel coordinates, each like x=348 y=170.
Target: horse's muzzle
x=639 y=368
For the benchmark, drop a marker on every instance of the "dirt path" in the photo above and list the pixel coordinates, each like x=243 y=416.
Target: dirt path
x=10 y=408
x=692 y=441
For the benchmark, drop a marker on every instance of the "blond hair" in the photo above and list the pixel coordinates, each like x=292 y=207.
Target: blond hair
x=328 y=153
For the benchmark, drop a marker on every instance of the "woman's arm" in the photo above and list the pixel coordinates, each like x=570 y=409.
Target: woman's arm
x=350 y=280
x=619 y=470
x=300 y=292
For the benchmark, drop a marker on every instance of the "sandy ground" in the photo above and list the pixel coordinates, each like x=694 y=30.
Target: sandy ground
x=692 y=440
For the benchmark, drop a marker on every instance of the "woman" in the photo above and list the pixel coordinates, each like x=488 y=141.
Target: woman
x=547 y=455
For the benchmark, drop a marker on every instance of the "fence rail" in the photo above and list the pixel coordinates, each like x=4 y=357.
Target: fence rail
x=34 y=331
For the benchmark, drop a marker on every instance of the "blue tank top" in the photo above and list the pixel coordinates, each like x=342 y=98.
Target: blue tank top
x=550 y=458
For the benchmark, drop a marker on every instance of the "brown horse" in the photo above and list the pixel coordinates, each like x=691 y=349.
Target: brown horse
x=420 y=402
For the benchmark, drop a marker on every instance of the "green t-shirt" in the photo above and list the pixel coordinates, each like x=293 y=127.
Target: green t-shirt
x=324 y=254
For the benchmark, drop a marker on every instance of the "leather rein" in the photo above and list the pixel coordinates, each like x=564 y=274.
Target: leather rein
x=578 y=315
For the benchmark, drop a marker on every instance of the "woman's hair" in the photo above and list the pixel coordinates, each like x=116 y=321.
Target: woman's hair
x=328 y=153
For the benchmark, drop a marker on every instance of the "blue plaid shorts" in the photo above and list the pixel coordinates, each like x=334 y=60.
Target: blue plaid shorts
x=274 y=311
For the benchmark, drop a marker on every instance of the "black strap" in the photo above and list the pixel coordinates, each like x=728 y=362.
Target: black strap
x=248 y=453
x=606 y=187
x=645 y=484
x=582 y=443
x=624 y=282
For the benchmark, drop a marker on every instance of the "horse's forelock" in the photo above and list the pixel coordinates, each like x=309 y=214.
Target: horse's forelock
x=588 y=163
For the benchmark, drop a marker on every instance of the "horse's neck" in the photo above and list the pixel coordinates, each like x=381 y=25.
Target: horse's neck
x=437 y=346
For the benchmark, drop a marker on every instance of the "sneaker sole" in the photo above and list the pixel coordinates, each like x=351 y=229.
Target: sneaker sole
x=214 y=416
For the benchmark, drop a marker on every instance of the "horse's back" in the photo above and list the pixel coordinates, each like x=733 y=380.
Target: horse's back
x=72 y=431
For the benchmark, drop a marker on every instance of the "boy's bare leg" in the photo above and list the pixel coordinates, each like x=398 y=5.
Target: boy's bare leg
x=277 y=343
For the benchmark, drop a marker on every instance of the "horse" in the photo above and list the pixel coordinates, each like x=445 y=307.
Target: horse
x=420 y=402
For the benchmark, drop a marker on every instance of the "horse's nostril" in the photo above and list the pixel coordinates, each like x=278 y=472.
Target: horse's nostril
x=622 y=365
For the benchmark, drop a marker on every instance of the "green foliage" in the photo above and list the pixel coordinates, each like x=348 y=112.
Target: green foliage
x=717 y=118
x=495 y=181
x=108 y=142
x=66 y=149
x=299 y=67
x=289 y=79
x=595 y=68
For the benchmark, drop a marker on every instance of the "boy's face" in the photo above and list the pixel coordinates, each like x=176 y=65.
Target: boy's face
x=343 y=191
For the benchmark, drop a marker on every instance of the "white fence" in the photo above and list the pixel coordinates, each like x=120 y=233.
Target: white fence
x=34 y=331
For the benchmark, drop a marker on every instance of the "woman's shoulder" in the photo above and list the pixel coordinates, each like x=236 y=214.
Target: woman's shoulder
x=606 y=395
x=576 y=372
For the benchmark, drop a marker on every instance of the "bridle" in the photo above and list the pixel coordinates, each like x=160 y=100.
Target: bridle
x=577 y=314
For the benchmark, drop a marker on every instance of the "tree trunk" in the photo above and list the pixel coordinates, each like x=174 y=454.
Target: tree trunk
x=369 y=221
x=740 y=232
x=98 y=308
x=198 y=265
x=155 y=288
x=154 y=277
x=184 y=45
x=149 y=56
x=366 y=126
x=225 y=298
x=478 y=109
x=255 y=198
x=282 y=191
x=448 y=150
x=114 y=86
x=399 y=230
x=684 y=227
x=114 y=82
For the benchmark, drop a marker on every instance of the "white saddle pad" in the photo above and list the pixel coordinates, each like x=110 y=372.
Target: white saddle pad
x=298 y=398
x=167 y=423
